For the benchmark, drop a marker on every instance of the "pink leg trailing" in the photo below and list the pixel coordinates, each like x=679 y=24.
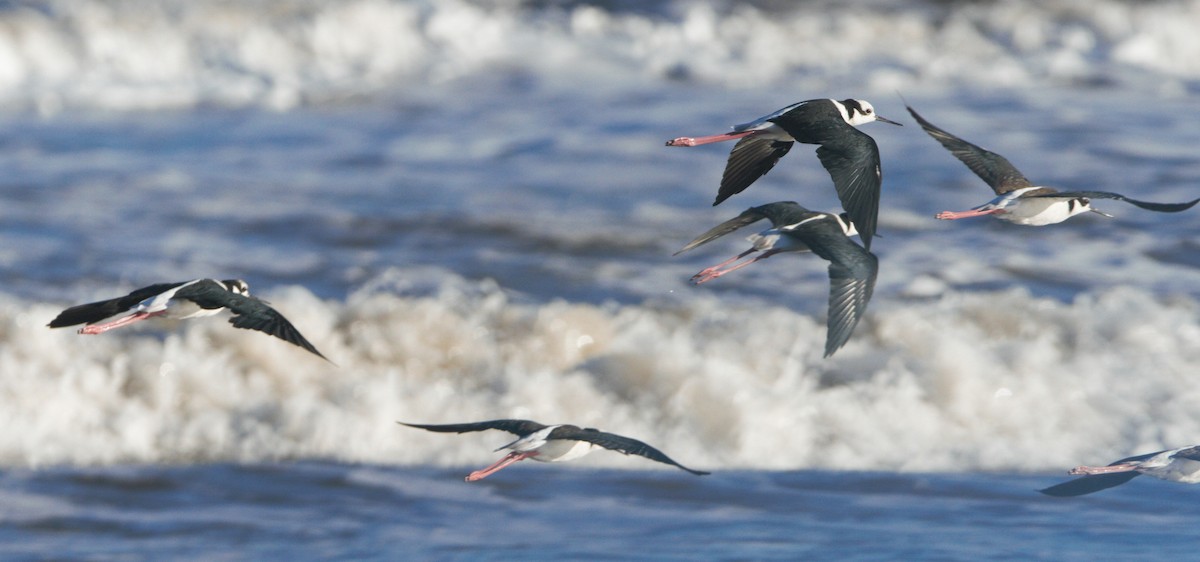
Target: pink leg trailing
x=697 y=141
x=953 y=215
x=1091 y=470
x=507 y=460
x=715 y=271
x=92 y=329
x=705 y=274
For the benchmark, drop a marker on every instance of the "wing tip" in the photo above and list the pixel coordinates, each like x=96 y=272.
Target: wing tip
x=833 y=345
x=312 y=349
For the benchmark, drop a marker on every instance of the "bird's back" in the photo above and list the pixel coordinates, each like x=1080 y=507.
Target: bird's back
x=814 y=122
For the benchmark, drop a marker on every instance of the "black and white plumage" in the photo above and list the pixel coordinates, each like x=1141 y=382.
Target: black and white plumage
x=551 y=443
x=185 y=299
x=850 y=156
x=1018 y=200
x=852 y=269
x=1175 y=465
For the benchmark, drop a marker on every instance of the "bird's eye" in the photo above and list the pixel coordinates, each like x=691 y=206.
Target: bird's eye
x=868 y=110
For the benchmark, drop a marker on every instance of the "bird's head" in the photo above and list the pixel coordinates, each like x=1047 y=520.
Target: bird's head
x=861 y=112
x=1081 y=205
x=237 y=286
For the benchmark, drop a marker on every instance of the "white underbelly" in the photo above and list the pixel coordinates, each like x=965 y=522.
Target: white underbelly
x=775 y=240
x=1039 y=212
x=559 y=450
x=188 y=309
x=1181 y=470
x=176 y=309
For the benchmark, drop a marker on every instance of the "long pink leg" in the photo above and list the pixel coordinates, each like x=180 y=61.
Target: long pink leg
x=715 y=271
x=710 y=270
x=696 y=141
x=123 y=321
x=1090 y=470
x=507 y=460
x=952 y=215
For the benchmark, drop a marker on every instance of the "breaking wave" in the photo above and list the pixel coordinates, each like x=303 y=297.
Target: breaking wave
x=966 y=381
x=132 y=54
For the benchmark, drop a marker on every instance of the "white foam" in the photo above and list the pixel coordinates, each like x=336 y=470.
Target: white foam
x=979 y=381
x=280 y=54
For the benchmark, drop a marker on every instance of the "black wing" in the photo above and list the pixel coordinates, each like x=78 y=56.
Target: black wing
x=1190 y=453
x=852 y=274
x=99 y=310
x=249 y=313
x=515 y=427
x=780 y=213
x=624 y=445
x=850 y=289
x=1089 y=484
x=853 y=163
x=993 y=168
x=748 y=217
x=751 y=158
x=1150 y=206
x=1097 y=482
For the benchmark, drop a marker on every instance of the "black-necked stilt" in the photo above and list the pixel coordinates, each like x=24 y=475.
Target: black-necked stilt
x=551 y=443
x=1175 y=465
x=852 y=269
x=185 y=299
x=850 y=156
x=1017 y=199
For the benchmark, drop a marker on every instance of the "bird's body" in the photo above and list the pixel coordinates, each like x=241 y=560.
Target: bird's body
x=1016 y=207
x=168 y=306
x=1017 y=199
x=850 y=156
x=183 y=300
x=557 y=449
x=852 y=269
x=551 y=443
x=1175 y=465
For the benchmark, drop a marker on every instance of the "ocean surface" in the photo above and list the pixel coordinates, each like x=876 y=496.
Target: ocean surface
x=467 y=206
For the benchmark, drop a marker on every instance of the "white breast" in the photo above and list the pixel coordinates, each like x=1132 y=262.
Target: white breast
x=171 y=307
x=1178 y=470
x=1034 y=211
x=774 y=239
x=559 y=450
x=1041 y=211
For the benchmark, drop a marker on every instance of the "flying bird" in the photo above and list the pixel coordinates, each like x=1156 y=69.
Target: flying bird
x=1017 y=199
x=1176 y=465
x=185 y=299
x=852 y=269
x=551 y=443
x=850 y=156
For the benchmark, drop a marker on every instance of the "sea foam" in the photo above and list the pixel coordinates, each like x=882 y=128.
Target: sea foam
x=281 y=54
x=965 y=381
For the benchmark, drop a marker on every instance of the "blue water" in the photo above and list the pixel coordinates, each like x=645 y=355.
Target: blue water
x=319 y=510
x=468 y=207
